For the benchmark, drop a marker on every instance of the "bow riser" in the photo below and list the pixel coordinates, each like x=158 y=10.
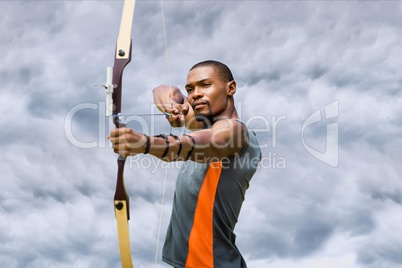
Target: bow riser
x=118 y=68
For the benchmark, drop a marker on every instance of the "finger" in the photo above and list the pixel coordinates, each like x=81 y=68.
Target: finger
x=172 y=118
x=176 y=120
x=122 y=153
x=182 y=119
x=118 y=132
x=119 y=140
x=184 y=108
x=172 y=110
x=121 y=149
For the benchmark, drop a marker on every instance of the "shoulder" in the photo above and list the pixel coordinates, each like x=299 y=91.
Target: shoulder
x=231 y=132
x=232 y=125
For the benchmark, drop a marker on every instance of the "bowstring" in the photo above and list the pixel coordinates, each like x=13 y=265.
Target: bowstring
x=166 y=51
x=171 y=128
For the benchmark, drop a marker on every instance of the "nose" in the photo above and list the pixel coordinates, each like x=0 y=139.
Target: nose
x=197 y=93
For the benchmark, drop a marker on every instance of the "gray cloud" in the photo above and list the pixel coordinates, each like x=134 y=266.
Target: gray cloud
x=290 y=59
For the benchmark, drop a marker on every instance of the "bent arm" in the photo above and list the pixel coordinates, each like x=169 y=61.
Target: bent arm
x=164 y=96
x=171 y=100
x=226 y=138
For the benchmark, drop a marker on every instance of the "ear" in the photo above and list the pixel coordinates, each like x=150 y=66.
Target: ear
x=231 y=88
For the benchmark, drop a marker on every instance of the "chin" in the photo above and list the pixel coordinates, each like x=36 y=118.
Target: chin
x=200 y=117
x=203 y=117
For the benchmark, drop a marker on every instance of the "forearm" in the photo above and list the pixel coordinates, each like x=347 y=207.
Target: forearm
x=170 y=148
x=224 y=139
x=197 y=148
x=127 y=142
x=202 y=146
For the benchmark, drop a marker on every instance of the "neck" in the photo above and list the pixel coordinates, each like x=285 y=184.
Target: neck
x=229 y=112
x=222 y=117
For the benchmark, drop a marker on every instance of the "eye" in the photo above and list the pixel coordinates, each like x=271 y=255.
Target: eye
x=206 y=85
x=189 y=89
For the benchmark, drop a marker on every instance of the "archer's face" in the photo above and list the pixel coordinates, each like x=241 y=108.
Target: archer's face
x=207 y=94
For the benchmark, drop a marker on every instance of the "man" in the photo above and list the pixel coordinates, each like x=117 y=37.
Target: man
x=220 y=156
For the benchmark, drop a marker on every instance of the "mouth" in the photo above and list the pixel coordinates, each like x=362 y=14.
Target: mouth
x=199 y=105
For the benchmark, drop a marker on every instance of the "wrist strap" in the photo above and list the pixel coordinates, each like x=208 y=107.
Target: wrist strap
x=148 y=144
x=180 y=146
x=167 y=144
x=192 y=146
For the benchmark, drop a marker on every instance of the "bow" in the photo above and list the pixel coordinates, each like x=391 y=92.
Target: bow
x=113 y=89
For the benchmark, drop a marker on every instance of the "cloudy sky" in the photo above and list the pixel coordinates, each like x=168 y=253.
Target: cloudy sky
x=320 y=82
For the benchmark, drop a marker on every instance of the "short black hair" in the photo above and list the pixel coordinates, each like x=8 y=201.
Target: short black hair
x=223 y=71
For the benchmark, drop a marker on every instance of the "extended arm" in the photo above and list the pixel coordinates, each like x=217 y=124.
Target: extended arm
x=226 y=138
